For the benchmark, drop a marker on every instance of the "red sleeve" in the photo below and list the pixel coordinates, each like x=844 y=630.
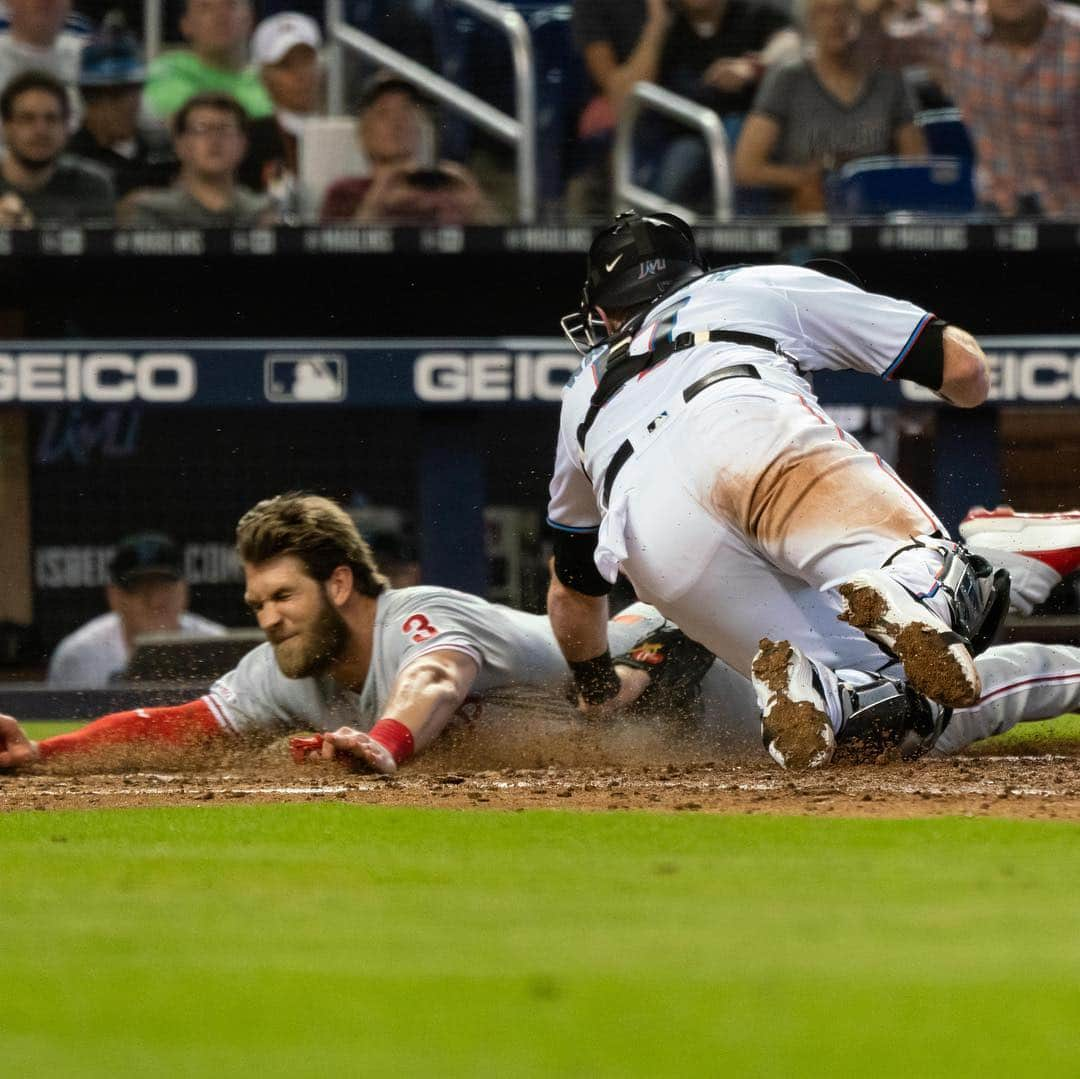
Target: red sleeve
x=179 y=725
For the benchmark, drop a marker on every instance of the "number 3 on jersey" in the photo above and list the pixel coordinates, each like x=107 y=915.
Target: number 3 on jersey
x=420 y=628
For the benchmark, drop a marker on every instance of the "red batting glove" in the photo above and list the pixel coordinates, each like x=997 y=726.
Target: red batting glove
x=303 y=746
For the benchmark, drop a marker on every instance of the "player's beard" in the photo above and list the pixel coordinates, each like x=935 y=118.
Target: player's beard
x=313 y=651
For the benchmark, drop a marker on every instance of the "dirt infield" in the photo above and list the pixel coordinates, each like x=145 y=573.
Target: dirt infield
x=1033 y=787
x=544 y=761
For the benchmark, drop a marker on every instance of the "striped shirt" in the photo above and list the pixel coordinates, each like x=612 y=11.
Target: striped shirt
x=1022 y=105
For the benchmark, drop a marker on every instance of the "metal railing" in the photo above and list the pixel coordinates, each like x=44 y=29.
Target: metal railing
x=646 y=95
x=519 y=131
x=153 y=21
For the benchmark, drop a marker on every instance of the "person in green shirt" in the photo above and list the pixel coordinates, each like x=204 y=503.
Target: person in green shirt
x=218 y=32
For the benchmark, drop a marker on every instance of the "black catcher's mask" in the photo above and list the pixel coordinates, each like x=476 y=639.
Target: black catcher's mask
x=632 y=264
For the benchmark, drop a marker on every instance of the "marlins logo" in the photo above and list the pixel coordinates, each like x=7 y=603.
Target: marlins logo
x=305 y=377
x=652 y=266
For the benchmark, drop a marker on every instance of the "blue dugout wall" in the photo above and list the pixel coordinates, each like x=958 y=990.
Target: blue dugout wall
x=185 y=435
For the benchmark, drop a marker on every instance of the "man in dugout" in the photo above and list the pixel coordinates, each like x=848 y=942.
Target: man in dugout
x=147 y=594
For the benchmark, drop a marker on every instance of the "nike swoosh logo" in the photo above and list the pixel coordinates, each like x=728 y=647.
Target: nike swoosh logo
x=609 y=266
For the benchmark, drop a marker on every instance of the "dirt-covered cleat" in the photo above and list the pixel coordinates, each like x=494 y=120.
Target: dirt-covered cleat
x=795 y=726
x=936 y=660
x=1050 y=538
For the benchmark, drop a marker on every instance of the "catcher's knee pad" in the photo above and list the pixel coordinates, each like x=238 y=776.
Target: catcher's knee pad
x=887 y=713
x=978 y=594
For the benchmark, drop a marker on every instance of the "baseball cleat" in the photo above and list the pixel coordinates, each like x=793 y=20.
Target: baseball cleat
x=795 y=726
x=936 y=660
x=1050 y=538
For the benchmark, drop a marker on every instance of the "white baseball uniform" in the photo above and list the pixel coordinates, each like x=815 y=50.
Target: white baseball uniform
x=737 y=512
x=90 y=656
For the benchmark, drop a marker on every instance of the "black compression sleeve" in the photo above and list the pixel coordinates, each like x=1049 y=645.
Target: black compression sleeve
x=574 y=565
x=925 y=363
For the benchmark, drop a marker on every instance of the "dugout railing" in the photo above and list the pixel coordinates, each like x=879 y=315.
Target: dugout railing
x=647 y=97
x=517 y=131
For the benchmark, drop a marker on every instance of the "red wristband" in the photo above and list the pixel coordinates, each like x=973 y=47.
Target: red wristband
x=396 y=737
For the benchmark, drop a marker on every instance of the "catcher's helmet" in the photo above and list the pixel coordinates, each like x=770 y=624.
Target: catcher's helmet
x=631 y=265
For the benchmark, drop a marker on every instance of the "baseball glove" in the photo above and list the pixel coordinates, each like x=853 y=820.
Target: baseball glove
x=676 y=666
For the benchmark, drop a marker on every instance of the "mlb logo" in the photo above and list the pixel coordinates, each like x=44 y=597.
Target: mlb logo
x=305 y=377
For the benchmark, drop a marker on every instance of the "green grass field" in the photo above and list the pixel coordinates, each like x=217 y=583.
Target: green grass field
x=323 y=939
x=312 y=939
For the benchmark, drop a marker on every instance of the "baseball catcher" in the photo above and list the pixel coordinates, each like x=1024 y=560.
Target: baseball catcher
x=693 y=457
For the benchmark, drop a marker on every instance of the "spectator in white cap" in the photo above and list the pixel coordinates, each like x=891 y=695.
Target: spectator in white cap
x=285 y=52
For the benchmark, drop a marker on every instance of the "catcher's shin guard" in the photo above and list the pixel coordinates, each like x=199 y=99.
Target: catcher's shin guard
x=887 y=713
x=978 y=594
x=980 y=597
x=937 y=655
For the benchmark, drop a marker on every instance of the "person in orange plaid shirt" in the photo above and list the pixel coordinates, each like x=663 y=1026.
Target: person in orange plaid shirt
x=1013 y=69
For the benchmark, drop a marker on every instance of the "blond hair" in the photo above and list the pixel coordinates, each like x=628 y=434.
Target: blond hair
x=314 y=529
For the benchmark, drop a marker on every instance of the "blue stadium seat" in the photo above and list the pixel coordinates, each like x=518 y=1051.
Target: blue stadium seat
x=883 y=185
x=476 y=56
x=946 y=133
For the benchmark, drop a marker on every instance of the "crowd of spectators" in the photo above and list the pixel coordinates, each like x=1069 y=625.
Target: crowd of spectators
x=816 y=112
x=208 y=132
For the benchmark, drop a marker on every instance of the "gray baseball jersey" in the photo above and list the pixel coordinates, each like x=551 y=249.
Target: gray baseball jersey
x=510 y=648
x=1021 y=682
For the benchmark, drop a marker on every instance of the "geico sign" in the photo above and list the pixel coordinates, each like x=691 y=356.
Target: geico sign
x=1023 y=376
x=106 y=377
x=492 y=376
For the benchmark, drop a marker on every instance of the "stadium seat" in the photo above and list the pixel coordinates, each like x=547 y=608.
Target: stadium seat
x=328 y=150
x=476 y=57
x=883 y=185
x=946 y=133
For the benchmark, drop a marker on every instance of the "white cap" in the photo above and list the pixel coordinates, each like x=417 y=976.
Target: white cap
x=275 y=36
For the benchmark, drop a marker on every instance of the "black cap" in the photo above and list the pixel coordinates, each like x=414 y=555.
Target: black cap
x=384 y=83
x=639 y=259
x=145 y=554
